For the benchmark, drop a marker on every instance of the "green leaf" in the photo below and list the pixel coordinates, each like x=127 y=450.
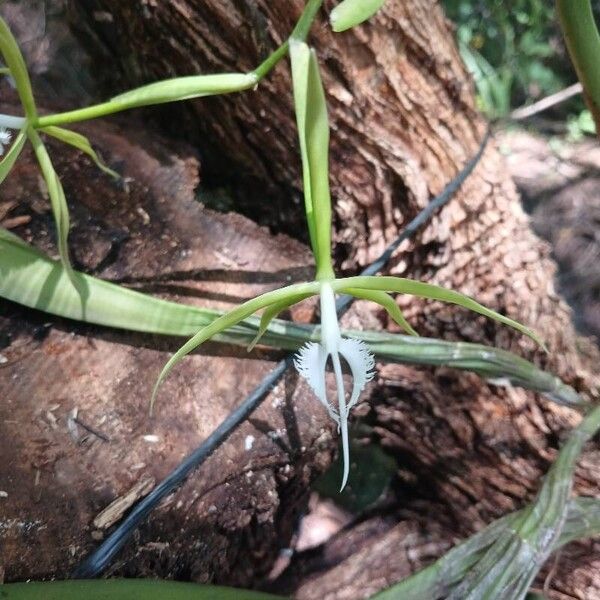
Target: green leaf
x=433 y=292
x=509 y=566
x=16 y=64
x=349 y=13
x=57 y=198
x=81 y=143
x=271 y=312
x=232 y=318
x=387 y=302
x=6 y=164
x=313 y=131
x=125 y=589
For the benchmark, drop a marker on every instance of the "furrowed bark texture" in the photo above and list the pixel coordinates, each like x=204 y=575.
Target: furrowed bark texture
x=403 y=124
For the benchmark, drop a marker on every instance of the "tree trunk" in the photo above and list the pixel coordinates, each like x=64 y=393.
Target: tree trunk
x=403 y=124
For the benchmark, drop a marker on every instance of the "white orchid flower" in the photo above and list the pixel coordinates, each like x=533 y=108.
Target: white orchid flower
x=311 y=360
x=311 y=363
x=5 y=137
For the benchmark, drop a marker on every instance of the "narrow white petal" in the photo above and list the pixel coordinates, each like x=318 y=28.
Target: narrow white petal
x=343 y=412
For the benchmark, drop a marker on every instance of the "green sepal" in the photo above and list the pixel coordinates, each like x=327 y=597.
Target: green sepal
x=387 y=302
x=185 y=88
x=80 y=142
x=433 y=292
x=57 y=198
x=350 y=13
x=271 y=312
x=232 y=318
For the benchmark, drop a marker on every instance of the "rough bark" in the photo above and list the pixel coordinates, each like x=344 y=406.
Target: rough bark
x=397 y=93
x=403 y=123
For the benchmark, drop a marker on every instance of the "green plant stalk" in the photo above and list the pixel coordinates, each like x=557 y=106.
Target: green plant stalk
x=32 y=279
x=583 y=42
x=125 y=102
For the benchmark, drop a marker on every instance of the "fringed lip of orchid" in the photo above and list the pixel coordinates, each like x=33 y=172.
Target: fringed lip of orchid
x=311 y=363
x=5 y=137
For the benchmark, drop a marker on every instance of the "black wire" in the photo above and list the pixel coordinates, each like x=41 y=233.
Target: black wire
x=97 y=562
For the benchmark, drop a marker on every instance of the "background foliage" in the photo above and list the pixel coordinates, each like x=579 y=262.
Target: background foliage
x=515 y=51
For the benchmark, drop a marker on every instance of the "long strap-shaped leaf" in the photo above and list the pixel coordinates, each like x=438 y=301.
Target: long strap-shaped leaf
x=30 y=278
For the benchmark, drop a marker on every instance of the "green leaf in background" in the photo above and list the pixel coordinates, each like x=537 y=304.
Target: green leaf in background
x=313 y=131
x=438 y=579
x=349 y=13
x=371 y=471
x=81 y=143
x=6 y=164
x=125 y=589
x=16 y=64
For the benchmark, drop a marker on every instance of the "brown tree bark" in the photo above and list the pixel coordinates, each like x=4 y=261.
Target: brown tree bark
x=403 y=123
x=60 y=378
